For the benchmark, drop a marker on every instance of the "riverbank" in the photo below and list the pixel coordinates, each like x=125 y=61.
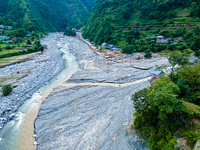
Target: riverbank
x=34 y=74
x=93 y=108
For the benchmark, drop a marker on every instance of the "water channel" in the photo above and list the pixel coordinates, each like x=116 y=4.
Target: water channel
x=12 y=133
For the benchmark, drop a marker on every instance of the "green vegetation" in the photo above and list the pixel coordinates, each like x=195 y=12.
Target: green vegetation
x=148 y=54
x=7 y=89
x=70 y=32
x=45 y=15
x=18 y=47
x=28 y=42
x=168 y=106
x=15 y=59
x=137 y=23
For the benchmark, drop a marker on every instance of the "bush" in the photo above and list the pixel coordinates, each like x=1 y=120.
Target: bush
x=70 y=32
x=196 y=54
x=164 y=33
x=129 y=49
x=28 y=42
x=148 y=54
x=41 y=49
x=7 y=89
x=8 y=47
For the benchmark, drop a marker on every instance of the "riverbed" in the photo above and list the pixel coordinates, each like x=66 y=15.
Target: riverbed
x=86 y=108
x=18 y=133
x=93 y=108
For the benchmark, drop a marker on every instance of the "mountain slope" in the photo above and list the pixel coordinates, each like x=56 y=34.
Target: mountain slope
x=109 y=18
x=44 y=15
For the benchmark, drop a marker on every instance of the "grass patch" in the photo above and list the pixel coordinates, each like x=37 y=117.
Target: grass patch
x=15 y=59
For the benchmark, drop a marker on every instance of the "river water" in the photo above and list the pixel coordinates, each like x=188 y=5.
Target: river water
x=12 y=133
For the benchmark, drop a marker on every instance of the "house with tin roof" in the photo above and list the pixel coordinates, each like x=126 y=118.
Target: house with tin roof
x=161 y=40
x=157 y=73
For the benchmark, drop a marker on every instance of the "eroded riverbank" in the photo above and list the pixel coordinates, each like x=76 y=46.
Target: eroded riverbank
x=31 y=75
x=17 y=134
x=93 y=108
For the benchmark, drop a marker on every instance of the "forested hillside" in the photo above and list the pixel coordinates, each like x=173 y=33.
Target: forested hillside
x=45 y=15
x=114 y=20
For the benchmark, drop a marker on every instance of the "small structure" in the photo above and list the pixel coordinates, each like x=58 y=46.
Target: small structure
x=9 y=42
x=30 y=46
x=157 y=73
x=74 y=29
x=1 y=27
x=92 y=42
x=3 y=37
x=14 y=39
x=179 y=38
x=103 y=44
x=115 y=49
x=28 y=36
x=161 y=40
x=176 y=41
x=9 y=27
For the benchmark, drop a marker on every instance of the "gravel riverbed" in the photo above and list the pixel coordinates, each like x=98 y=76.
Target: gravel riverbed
x=93 y=108
x=34 y=73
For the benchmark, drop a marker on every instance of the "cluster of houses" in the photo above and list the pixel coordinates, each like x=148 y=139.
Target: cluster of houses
x=3 y=37
x=14 y=39
x=5 y=27
x=162 y=40
x=8 y=41
x=109 y=47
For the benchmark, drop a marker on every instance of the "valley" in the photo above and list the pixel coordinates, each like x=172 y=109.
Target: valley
x=99 y=74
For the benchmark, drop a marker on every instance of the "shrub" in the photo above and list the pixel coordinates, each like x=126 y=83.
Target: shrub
x=148 y=54
x=70 y=32
x=7 y=89
x=28 y=42
x=129 y=49
x=41 y=49
x=196 y=54
x=164 y=33
x=8 y=47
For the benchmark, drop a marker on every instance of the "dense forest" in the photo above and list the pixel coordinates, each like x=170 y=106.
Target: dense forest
x=45 y=15
x=129 y=23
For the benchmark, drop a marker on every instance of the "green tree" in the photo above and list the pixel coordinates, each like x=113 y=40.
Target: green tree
x=188 y=79
x=41 y=49
x=18 y=33
x=122 y=44
x=70 y=32
x=159 y=113
x=178 y=58
x=129 y=49
x=37 y=43
x=28 y=42
x=148 y=54
x=7 y=89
